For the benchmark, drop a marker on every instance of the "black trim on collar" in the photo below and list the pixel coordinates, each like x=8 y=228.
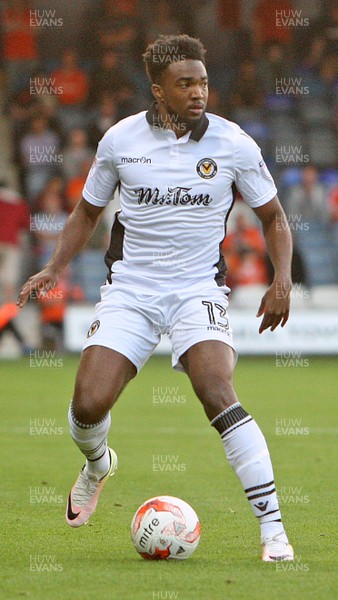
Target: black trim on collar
x=197 y=132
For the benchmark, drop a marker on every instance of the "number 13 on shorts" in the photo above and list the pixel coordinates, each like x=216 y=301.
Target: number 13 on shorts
x=215 y=313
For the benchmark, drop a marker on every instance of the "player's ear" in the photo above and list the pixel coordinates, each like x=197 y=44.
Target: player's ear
x=157 y=92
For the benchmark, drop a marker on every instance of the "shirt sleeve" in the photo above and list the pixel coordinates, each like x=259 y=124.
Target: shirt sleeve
x=252 y=177
x=103 y=177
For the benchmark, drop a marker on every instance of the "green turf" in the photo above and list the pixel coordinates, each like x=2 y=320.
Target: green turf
x=98 y=561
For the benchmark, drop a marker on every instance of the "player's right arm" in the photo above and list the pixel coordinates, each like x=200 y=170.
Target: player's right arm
x=74 y=236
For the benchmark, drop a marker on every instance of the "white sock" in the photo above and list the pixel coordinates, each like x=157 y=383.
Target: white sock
x=92 y=441
x=248 y=454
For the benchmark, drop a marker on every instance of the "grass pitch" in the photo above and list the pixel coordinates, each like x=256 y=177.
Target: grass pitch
x=165 y=446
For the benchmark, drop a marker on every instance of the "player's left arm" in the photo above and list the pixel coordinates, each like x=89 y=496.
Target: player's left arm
x=275 y=305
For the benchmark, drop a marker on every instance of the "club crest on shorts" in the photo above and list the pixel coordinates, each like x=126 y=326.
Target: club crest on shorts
x=93 y=328
x=206 y=168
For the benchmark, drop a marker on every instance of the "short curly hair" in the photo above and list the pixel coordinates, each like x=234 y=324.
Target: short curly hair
x=168 y=49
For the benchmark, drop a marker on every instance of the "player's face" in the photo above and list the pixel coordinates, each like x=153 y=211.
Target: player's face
x=184 y=90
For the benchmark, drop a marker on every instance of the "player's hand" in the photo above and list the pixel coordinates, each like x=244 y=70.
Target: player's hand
x=43 y=281
x=275 y=305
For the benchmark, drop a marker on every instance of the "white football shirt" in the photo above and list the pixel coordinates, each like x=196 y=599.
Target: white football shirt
x=175 y=196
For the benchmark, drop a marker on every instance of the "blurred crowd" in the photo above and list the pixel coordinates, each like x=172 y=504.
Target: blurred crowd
x=273 y=70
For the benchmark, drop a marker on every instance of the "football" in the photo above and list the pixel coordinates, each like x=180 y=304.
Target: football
x=165 y=528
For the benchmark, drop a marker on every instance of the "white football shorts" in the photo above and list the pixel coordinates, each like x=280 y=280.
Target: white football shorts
x=131 y=321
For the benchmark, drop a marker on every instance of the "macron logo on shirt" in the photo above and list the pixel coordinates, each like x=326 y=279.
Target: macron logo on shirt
x=132 y=159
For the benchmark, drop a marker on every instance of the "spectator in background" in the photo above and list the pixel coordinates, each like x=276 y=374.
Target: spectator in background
x=319 y=69
x=207 y=25
x=162 y=22
x=44 y=105
x=244 y=252
x=328 y=78
x=19 y=117
x=48 y=222
x=238 y=38
x=122 y=33
x=118 y=31
x=308 y=200
x=72 y=81
x=333 y=204
x=130 y=100
x=274 y=65
x=39 y=156
x=104 y=117
x=21 y=113
x=215 y=104
x=75 y=184
x=75 y=153
x=247 y=102
x=314 y=55
x=55 y=185
x=247 y=87
x=108 y=78
x=20 y=50
x=308 y=212
x=8 y=312
x=48 y=107
x=14 y=219
x=267 y=23
x=327 y=26
x=121 y=8
x=53 y=304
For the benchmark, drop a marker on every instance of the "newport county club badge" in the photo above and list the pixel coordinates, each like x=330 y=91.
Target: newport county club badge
x=206 y=168
x=93 y=328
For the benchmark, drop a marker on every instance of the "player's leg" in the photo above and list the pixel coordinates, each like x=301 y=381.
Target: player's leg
x=119 y=342
x=102 y=375
x=210 y=365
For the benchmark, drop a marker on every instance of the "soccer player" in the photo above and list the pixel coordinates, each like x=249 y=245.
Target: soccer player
x=177 y=168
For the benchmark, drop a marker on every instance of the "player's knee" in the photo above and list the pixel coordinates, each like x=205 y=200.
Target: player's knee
x=90 y=404
x=216 y=395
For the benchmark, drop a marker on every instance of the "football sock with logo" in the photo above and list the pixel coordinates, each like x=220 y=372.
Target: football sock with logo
x=248 y=454
x=92 y=441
